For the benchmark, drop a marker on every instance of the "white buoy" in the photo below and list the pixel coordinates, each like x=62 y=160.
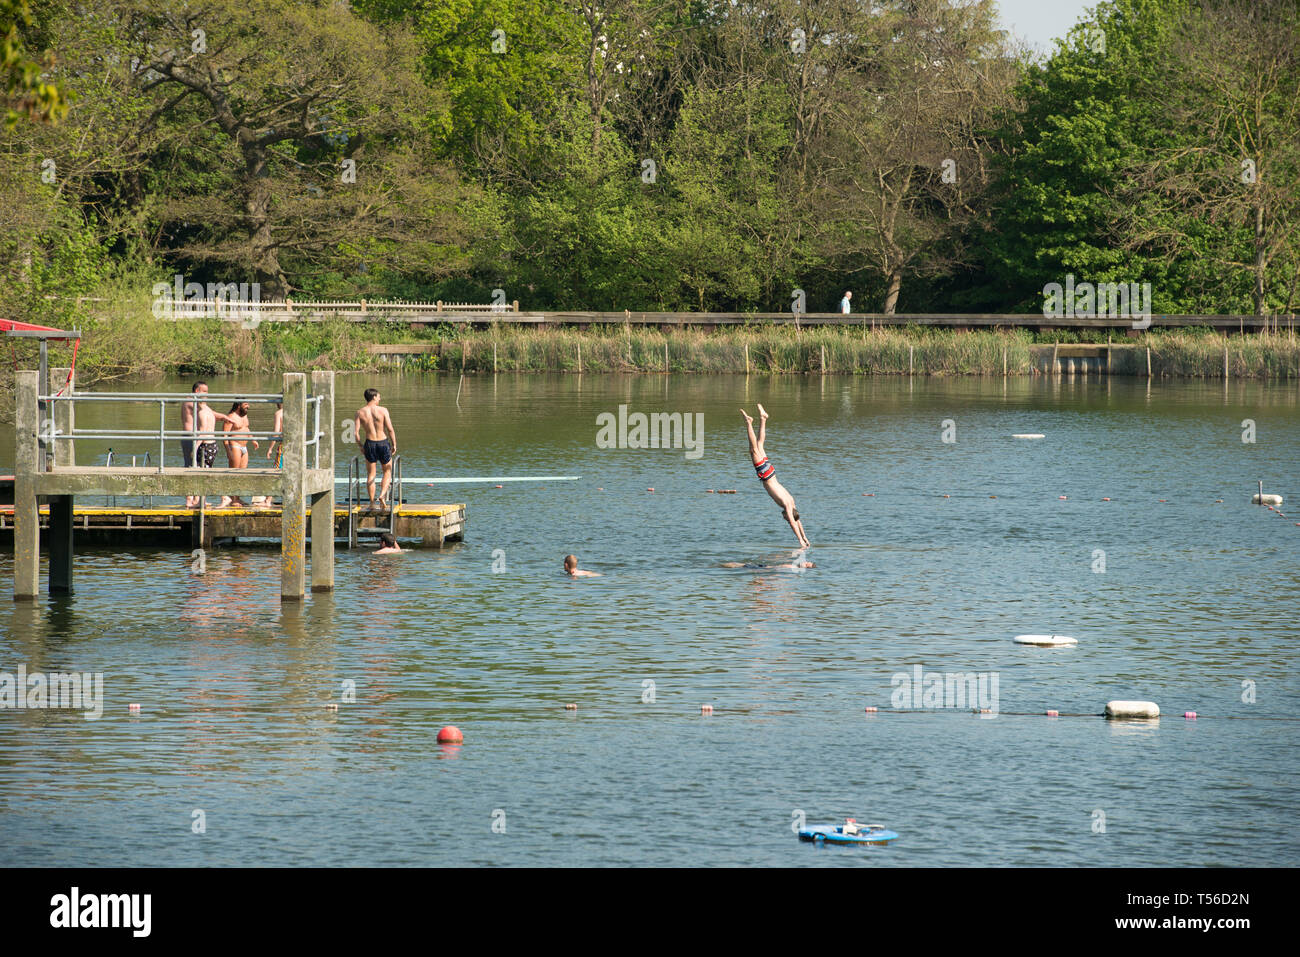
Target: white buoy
x=1029 y=435
x=1132 y=709
x=1050 y=641
x=1266 y=499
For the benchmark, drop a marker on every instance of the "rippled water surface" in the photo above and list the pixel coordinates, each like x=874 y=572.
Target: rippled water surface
x=1195 y=609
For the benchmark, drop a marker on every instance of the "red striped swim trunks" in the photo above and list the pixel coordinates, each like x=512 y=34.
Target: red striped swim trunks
x=765 y=469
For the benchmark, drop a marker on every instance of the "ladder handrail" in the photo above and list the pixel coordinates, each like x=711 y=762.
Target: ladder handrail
x=352 y=517
x=395 y=492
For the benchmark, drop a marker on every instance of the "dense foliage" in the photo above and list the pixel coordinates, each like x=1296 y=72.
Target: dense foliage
x=649 y=154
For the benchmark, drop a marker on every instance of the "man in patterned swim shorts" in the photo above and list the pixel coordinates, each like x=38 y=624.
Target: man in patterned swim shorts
x=767 y=475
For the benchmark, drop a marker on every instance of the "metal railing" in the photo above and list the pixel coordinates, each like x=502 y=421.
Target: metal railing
x=292 y=310
x=49 y=434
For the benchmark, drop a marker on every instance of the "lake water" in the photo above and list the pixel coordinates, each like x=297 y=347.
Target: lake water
x=1186 y=602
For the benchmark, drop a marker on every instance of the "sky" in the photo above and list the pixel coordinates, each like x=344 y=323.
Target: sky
x=1039 y=22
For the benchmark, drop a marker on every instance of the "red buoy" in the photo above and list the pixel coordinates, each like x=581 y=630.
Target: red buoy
x=450 y=735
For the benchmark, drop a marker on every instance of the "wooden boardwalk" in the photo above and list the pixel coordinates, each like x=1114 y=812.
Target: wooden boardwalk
x=424 y=314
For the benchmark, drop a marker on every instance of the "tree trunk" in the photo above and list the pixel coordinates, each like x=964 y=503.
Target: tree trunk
x=891 y=295
x=1261 y=264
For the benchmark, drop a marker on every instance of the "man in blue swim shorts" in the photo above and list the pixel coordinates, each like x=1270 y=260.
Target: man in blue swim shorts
x=377 y=440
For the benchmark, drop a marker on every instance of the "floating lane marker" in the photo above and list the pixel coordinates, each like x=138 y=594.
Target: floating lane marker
x=474 y=479
x=1266 y=499
x=1049 y=641
x=1029 y=435
x=1132 y=709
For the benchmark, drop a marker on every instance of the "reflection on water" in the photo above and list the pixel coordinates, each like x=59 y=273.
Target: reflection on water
x=1196 y=597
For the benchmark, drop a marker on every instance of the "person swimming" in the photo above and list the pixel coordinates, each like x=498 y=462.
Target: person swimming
x=792 y=566
x=767 y=475
x=388 y=545
x=573 y=571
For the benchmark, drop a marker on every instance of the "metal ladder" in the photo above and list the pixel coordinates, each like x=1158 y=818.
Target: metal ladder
x=146 y=501
x=354 y=500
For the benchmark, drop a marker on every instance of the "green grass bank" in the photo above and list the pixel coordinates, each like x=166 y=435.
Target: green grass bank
x=131 y=347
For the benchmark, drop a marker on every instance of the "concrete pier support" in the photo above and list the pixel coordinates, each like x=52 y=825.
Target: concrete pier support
x=27 y=520
x=60 y=542
x=322 y=503
x=293 y=517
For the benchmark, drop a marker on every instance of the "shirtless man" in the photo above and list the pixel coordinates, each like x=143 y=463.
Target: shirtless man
x=199 y=417
x=377 y=440
x=767 y=475
x=236 y=450
x=387 y=545
x=573 y=571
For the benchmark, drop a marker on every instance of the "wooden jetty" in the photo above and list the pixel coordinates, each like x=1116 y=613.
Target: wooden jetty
x=45 y=467
x=431 y=525
x=306 y=520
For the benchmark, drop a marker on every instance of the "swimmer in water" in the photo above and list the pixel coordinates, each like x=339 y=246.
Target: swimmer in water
x=388 y=545
x=767 y=475
x=792 y=566
x=573 y=571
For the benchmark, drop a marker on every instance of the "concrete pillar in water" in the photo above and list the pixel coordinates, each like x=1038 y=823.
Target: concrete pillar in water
x=322 y=503
x=60 y=542
x=293 y=515
x=27 y=520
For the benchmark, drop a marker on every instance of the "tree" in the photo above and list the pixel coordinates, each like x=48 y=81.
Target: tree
x=25 y=91
x=1228 y=80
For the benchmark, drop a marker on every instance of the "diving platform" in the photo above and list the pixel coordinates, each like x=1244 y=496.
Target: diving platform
x=46 y=468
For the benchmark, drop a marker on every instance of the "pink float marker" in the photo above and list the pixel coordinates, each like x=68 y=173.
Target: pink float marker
x=1189 y=714
x=871 y=709
x=1053 y=714
x=133 y=708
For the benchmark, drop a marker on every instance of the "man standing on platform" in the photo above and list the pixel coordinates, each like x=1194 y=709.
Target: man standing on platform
x=844 y=303
x=197 y=455
x=377 y=440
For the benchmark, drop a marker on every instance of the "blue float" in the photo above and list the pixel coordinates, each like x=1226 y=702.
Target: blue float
x=857 y=834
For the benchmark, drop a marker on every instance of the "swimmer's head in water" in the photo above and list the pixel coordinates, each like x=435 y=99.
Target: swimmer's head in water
x=570 y=562
x=388 y=540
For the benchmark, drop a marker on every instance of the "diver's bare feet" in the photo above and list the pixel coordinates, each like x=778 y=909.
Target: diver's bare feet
x=748 y=418
x=762 y=412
